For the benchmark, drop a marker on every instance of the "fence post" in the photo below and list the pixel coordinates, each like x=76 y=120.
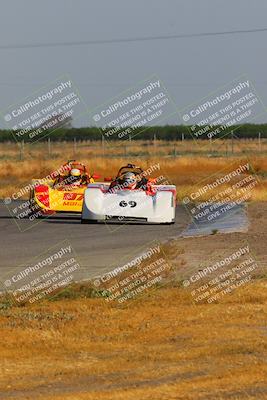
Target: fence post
x=21 y=157
x=74 y=146
x=210 y=145
x=49 y=146
x=232 y=141
x=103 y=146
x=259 y=142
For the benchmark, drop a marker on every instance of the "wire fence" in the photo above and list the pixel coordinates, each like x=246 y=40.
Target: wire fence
x=229 y=147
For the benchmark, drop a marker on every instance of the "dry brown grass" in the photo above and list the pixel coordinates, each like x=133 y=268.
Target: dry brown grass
x=161 y=347
x=188 y=171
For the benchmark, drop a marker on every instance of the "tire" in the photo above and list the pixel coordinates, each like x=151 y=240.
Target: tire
x=168 y=223
x=88 y=221
x=33 y=211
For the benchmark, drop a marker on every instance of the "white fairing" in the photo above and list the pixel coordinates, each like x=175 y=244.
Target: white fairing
x=129 y=204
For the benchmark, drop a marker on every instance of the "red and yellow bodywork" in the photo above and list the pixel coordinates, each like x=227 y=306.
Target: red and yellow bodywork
x=49 y=196
x=50 y=200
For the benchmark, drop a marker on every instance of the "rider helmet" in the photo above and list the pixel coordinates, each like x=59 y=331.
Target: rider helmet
x=75 y=174
x=129 y=180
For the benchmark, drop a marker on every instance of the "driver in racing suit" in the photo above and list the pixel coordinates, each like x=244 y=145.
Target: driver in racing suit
x=125 y=181
x=74 y=178
x=129 y=181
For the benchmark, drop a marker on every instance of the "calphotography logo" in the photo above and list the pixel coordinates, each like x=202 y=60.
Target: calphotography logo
x=221 y=202
x=135 y=110
x=137 y=277
x=43 y=197
x=220 y=113
x=53 y=107
x=222 y=277
x=49 y=274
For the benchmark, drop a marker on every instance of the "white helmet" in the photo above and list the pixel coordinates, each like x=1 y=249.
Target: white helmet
x=75 y=176
x=75 y=172
x=129 y=180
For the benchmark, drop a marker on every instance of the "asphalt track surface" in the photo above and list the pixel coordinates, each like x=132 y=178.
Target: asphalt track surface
x=99 y=247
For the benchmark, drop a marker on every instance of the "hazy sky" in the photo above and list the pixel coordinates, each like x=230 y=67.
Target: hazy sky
x=190 y=67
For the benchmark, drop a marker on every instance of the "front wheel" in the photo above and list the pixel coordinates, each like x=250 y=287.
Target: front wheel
x=168 y=223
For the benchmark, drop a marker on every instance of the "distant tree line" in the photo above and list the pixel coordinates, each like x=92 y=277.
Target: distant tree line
x=168 y=132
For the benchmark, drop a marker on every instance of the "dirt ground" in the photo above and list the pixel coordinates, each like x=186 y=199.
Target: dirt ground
x=162 y=346
x=194 y=251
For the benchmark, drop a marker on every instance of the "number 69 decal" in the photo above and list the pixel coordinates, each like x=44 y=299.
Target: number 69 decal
x=130 y=203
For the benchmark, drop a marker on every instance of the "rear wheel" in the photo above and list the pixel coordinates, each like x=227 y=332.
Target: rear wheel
x=34 y=211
